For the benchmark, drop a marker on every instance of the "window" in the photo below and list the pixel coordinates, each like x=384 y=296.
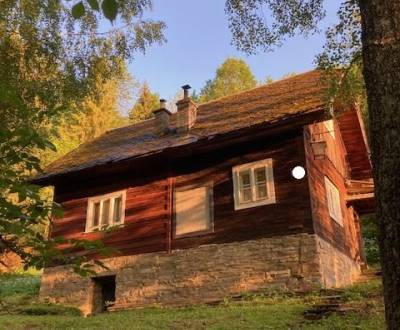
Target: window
x=330 y=127
x=193 y=211
x=253 y=184
x=333 y=198
x=105 y=211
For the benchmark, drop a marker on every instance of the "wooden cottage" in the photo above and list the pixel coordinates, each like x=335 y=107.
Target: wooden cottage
x=256 y=190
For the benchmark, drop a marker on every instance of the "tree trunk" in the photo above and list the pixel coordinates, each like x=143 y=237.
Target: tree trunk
x=381 y=56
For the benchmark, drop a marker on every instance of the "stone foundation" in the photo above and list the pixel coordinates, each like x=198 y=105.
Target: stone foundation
x=337 y=269
x=207 y=273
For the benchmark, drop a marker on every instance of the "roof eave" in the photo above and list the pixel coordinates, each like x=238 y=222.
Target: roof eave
x=274 y=127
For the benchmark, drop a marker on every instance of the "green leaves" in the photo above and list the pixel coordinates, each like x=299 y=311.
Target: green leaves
x=47 y=71
x=78 y=10
x=94 y=5
x=260 y=25
x=110 y=9
x=232 y=76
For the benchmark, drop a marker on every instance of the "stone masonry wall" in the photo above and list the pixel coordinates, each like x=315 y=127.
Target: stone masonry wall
x=337 y=269
x=198 y=275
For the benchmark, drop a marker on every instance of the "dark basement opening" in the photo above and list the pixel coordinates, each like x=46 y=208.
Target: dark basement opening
x=104 y=296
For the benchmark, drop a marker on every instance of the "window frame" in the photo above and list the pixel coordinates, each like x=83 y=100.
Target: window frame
x=334 y=208
x=100 y=199
x=270 y=184
x=210 y=190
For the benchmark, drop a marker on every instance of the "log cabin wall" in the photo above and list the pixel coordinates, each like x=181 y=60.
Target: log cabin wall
x=148 y=210
x=335 y=167
x=146 y=216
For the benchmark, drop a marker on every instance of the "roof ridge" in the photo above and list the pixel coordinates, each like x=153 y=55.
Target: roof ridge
x=257 y=87
x=211 y=101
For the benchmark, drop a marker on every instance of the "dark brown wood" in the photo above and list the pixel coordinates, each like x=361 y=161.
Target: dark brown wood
x=148 y=200
x=170 y=213
x=149 y=205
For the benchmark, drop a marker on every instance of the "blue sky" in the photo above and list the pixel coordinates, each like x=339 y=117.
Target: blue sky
x=198 y=41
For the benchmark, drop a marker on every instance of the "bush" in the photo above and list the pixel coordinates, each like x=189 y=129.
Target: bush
x=23 y=284
x=370 y=235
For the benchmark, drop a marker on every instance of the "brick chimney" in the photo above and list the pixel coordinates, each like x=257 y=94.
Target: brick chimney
x=161 y=119
x=187 y=110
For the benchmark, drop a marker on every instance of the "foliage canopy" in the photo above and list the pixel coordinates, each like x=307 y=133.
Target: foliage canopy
x=233 y=76
x=50 y=64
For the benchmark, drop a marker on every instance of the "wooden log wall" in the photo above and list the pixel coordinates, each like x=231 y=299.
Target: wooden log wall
x=347 y=237
x=148 y=209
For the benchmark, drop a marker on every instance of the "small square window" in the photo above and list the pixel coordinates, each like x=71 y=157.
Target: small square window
x=253 y=184
x=105 y=211
x=333 y=200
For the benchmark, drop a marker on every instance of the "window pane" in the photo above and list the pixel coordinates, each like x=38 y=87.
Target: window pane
x=117 y=209
x=261 y=191
x=246 y=195
x=245 y=186
x=105 y=212
x=261 y=182
x=96 y=214
x=192 y=210
x=245 y=178
x=260 y=175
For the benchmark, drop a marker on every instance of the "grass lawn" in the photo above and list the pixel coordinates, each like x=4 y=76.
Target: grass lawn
x=19 y=309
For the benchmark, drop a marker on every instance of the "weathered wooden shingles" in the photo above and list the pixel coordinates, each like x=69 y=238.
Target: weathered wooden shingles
x=147 y=212
x=344 y=238
x=291 y=97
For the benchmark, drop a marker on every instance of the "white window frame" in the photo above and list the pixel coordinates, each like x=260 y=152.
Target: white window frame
x=101 y=198
x=269 y=199
x=333 y=201
x=210 y=194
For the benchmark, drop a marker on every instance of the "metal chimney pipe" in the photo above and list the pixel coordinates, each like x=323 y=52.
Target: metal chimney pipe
x=186 y=91
x=163 y=103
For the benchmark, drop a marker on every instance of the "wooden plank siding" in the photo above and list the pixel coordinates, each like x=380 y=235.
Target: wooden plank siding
x=291 y=213
x=346 y=238
x=149 y=212
x=354 y=136
x=146 y=216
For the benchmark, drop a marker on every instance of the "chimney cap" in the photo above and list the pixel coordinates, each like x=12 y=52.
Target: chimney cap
x=162 y=108
x=186 y=87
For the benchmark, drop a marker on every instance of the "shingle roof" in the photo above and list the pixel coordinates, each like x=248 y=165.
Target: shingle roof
x=289 y=97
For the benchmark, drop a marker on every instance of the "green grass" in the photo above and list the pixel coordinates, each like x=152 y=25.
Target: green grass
x=19 y=309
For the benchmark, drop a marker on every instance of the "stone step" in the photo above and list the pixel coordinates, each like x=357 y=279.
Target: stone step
x=320 y=311
x=316 y=314
x=331 y=298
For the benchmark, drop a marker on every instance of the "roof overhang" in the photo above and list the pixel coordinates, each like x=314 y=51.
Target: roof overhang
x=355 y=140
x=194 y=146
x=361 y=196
